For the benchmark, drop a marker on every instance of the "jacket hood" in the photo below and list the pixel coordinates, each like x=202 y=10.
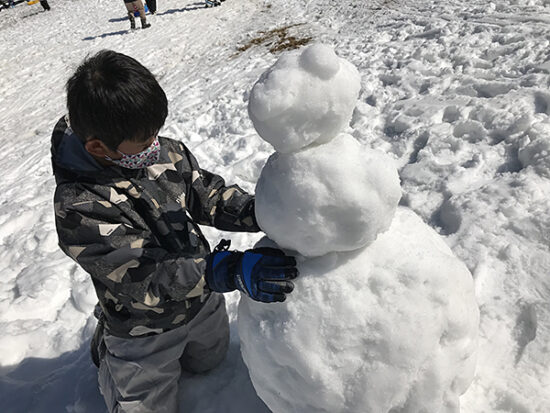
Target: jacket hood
x=69 y=153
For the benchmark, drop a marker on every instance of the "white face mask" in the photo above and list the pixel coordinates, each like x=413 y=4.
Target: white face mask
x=143 y=159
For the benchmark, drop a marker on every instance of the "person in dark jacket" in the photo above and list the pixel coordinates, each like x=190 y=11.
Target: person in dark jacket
x=152 y=6
x=128 y=204
x=45 y=4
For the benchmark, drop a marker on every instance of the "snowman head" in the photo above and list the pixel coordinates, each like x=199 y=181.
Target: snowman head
x=306 y=97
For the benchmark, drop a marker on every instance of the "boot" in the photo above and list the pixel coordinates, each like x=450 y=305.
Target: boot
x=144 y=24
x=132 y=21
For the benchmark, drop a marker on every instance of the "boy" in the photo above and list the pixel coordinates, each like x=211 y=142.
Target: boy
x=127 y=205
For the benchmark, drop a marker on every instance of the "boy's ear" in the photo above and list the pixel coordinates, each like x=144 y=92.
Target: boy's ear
x=97 y=148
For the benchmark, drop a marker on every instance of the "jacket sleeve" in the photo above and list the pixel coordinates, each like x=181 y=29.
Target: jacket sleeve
x=210 y=202
x=125 y=259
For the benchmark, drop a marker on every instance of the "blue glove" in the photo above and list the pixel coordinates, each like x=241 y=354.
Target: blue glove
x=264 y=274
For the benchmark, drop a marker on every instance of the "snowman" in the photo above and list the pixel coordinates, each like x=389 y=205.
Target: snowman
x=383 y=317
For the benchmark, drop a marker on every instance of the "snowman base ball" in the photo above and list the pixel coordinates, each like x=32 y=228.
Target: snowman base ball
x=332 y=197
x=390 y=328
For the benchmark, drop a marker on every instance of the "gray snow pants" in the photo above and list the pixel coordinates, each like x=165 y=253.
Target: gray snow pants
x=140 y=375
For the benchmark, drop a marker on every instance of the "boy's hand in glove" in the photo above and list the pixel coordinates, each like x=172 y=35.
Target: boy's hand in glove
x=264 y=274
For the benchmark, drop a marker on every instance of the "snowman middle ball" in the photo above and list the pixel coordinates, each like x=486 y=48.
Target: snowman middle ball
x=333 y=197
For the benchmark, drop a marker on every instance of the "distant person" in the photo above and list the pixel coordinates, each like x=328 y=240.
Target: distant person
x=128 y=208
x=6 y=4
x=45 y=4
x=133 y=6
x=152 y=6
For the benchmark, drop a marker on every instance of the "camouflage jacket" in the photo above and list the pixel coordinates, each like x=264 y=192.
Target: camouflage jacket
x=135 y=231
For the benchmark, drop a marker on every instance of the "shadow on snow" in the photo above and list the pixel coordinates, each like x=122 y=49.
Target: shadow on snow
x=68 y=384
x=120 y=32
x=191 y=7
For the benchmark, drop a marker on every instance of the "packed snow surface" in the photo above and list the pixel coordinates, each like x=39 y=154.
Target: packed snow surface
x=536 y=151
x=453 y=90
x=332 y=197
x=307 y=96
x=388 y=328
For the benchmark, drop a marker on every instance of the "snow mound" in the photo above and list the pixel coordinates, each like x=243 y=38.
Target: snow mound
x=304 y=97
x=333 y=197
x=388 y=328
x=537 y=152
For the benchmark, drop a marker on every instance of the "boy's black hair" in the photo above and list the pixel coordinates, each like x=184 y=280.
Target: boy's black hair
x=113 y=97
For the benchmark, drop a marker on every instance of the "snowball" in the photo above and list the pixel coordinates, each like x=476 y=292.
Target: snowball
x=304 y=97
x=332 y=197
x=320 y=60
x=388 y=328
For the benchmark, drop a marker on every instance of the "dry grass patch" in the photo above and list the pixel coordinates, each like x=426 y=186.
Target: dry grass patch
x=277 y=40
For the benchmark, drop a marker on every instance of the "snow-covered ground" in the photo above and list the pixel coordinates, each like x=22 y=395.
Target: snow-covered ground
x=456 y=92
